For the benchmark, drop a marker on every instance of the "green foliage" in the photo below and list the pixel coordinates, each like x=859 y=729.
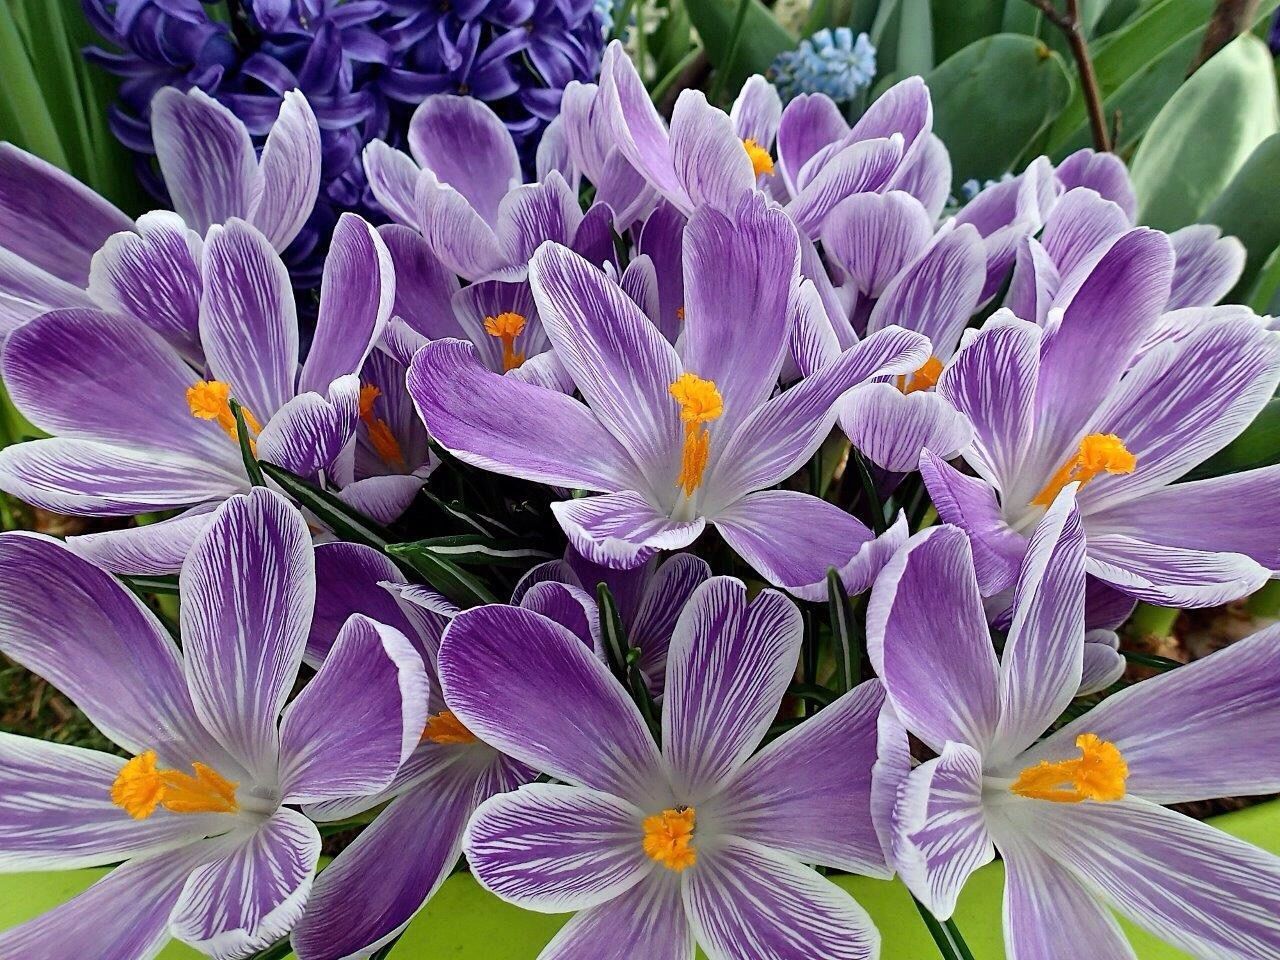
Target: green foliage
x=1247 y=209
x=738 y=53
x=1258 y=446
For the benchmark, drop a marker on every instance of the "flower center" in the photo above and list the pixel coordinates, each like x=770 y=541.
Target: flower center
x=668 y=838
x=761 y=162
x=506 y=327
x=140 y=787
x=924 y=378
x=211 y=400
x=383 y=441
x=1098 y=452
x=1098 y=774
x=445 y=727
x=700 y=402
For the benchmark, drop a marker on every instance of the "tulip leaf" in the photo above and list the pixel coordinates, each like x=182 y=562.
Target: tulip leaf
x=760 y=40
x=1247 y=209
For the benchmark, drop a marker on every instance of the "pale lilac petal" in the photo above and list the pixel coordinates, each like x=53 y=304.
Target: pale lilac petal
x=874 y=236
x=458 y=235
x=383 y=499
x=927 y=174
x=462 y=141
x=810 y=122
x=665 y=593
x=1034 y=283
x=1103 y=662
x=662 y=239
x=26 y=291
x=622 y=530
x=757 y=111
x=538 y=212
x=424 y=287
x=1101 y=171
x=1078 y=225
x=893 y=429
x=475 y=303
x=553 y=154
x=571 y=607
x=309 y=432
x=862 y=167
x=905 y=108
x=393 y=178
x=639 y=281
x=1206 y=265
x=814 y=342
x=709 y=159
x=648 y=920
x=641 y=134
x=153 y=549
x=290 y=165
x=1171 y=576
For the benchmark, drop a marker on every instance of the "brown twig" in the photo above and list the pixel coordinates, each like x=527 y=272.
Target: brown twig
x=1069 y=24
x=1230 y=19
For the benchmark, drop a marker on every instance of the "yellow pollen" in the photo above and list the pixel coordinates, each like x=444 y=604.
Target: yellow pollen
x=680 y=314
x=445 y=727
x=1099 y=452
x=211 y=400
x=924 y=378
x=761 y=162
x=140 y=787
x=668 y=838
x=700 y=402
x=383 y=441
x=506 y=327
x=1098 y=774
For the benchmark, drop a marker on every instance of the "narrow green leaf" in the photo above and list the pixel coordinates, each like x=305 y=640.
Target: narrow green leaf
x=457 y=584
x=845 y=631
x=161 y=586
x=24 y=113
x=761 y=40
x=1247 y=209
x=1150 y=660
x=476 y=551
x=329 y=509
x=247 y=452
x=915 y=38
x=1264 y=298
x=624 y=659
x=874 y=504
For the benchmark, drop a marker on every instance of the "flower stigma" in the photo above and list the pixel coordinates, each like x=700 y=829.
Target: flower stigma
x=506 y=327
x=141 y=786
x=211 y=400
x=668 y=838
x=700 y=403
x=1099 y=773
x=1099 y=452
x=924 y=378
x=445 y=727
x=761 y=162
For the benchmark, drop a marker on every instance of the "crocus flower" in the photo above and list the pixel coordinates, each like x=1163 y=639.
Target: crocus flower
x=699 y=840
x=1050 y=408
x=674 y=439
x=376 y=884
x=204 y=816
x=137 y=428
x=1077 y=816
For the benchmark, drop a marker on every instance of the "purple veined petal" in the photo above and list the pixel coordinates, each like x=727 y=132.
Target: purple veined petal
x=1043 y=659
x=464 y=144
x=26 y=291
x=77 y=627
x=1175 y=325
x=728 y=667
x=662 y=239
x=622 y=530
x=1206 y=265
x=1196 y=732
x=665 y=594
x=1186 y=882
x=939 y=834
x=874 y=236
x=553 y=154
x=808 y=793
x=747 y=902
x=592 y=238
x=537 y=212
x=206 y=158
x=1034 y=284
x=809 y=123
x=50 y=219
x=309 y=432
x=151 y=550
x=570 y=606
x=349 y=730
x=793 y=539
x=935 y=660
x=1079 y=223
x=123 y=916
x=1046 y=908
x=618 y=359
x=424 y=287
x=926 y=174
x=893 y=429
x=290 y=166
x=1103 y=663
x=500 y=424
x=247 y=591
x=862 y=167
x=626 y=191
x=757 y=112
x=1006 y=212
x=248 y=321
x=1103 y=172
x=708 y=157
x=356 y=296
x=546 y=371
x=904 y=108
x=56 y=811
x=252 y=896
x=383 y=499
x=1105 y=608
x=153 y=276
x=393 y=178
x=1171 y=576
x=639 y=281
x=587 y=132
x=458 y=235
x=647 y=920
x=814 y=343
x=553 y=848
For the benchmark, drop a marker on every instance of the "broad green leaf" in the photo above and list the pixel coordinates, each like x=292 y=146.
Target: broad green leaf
x=915 y=38
x=1265 y=296
x=1247 y=209
x=762 y=37
x=993 y=98
x=958 y=23
x=1205 y=133
x=1257 y=446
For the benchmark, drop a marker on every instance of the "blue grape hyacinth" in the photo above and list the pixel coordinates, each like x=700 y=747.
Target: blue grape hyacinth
x=833 y=62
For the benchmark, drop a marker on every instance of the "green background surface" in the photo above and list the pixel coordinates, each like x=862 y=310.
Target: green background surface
x=464 y=922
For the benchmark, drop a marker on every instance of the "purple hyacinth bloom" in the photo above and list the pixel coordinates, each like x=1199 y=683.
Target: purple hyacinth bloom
x=1078 y=816
x=675 y=439
x=699 y=840
x=205 y=816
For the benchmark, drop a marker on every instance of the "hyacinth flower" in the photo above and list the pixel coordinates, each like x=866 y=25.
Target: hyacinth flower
x=136 y=428
x=1050 y=409
x=696 y=840
x=204 y=816
x=1078 y=816
x=674 y=440
x=833 y=63
x=462 y=187
x=364 y=898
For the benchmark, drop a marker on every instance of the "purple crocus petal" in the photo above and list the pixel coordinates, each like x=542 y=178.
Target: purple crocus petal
x=154 y=549
x=1206 y=265
x=50 y=219
x=73 y=624
x=393 y=178
x=653 y=622
x=153 y=276
x=1103 y=662
x=927 y=174
x=458 y=235
x=892 y=429
x=500 y=424
x=537 y=212
x=709 y=159
x=622 y=530
x=810 y=122
x=904 y=108
x=1078 y=225
x=553 y=848
x=940 y=837
x=356 y=295
x=747 y=902
x=1006 y=212
x=571 y=607
x=1171 y=576
x=290 y=168
x=808 y=793
x=26 y=291
x=814 y=343
x=937 y=664
x=462 y=141
x=864 y=166
x=757 y=112
x=1034 y=283
x=553 y=154
x=793 y=539
x=309 y=432
x=206 y=157
x=531 y=689
x=248 y=321
x=874 y=236
x=727 y=669
x=250 y=898
x=424 y=286
x=639 y=281
x=247 y=592
x=626 y=191
x=662 y=239
x=383 y=499
x=1103 y=172
x=642 y=137
x=647 y=920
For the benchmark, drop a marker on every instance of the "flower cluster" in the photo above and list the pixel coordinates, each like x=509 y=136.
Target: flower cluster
x=831 y=62
x=761 y=322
